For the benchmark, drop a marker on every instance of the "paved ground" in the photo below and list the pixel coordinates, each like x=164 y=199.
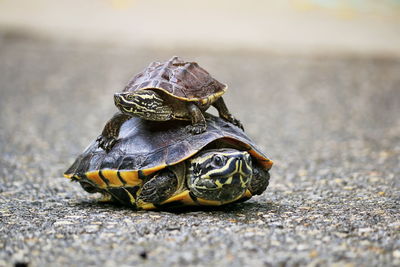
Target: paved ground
x=331 y=125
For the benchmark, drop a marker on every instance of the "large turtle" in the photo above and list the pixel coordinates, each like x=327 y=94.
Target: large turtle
x=161 y=165
x=171 y=90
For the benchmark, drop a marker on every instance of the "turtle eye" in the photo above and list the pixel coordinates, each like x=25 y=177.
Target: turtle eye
x=218 y=160
x=129 y=97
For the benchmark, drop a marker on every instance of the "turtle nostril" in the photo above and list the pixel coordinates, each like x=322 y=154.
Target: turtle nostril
x=116 y=98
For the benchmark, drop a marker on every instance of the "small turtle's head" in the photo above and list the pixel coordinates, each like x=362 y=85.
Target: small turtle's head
x=220 y=174
x=146 y=104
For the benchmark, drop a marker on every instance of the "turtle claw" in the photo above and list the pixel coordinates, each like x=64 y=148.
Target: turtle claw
x=197 y=128
x=235 y=121
x=238 y=123
x=106 y=143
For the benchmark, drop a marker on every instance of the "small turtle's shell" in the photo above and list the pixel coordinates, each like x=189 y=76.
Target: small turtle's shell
x=186 y=81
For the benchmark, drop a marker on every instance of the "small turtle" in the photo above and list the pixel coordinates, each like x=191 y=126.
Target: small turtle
x=155 y=165
x=171 y=90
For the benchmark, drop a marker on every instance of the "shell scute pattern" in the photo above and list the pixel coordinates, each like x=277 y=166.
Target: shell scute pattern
x=184 y=80
x=143 y=148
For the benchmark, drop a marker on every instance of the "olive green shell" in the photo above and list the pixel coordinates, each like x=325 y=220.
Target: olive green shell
x=186 y=81
x=144 y=147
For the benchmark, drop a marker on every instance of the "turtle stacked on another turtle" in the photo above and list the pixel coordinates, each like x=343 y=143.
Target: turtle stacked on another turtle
x=172 y=90
x=147 y=157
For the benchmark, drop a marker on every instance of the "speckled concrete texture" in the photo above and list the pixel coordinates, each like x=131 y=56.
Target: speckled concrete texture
x=331 y=125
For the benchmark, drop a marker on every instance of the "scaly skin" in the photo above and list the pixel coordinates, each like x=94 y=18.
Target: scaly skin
x=215 y=174
x=110 y=132
x=150 y=105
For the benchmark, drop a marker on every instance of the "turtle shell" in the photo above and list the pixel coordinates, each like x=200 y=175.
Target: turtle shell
x=144 y=147
x=186 y=81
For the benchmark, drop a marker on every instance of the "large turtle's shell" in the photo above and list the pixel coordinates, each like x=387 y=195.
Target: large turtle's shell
x=144 y=147
x=183 y=80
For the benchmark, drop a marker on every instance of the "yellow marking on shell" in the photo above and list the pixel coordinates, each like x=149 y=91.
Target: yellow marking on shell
x=131 y=178
x=106 y=197
x=147 y=206
x=69 y=176
x=206 y=202
x=131 y=198
x=201 y=100
x=95 y=177
x=183 y=197
x=266 y=163
x=210 y=99
x=150 y=171
x=247 y=194
x=112 y=177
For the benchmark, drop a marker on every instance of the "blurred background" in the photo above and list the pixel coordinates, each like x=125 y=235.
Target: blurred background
x=316 y=84
x=293 y=26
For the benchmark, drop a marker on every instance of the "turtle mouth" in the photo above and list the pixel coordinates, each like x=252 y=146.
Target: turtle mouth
x=117 y=99
x=127 y=106
x=123 y=105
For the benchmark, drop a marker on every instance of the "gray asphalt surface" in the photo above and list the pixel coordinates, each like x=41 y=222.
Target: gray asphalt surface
x=331 y=125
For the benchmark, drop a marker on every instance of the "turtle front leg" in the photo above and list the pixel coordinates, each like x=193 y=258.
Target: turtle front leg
x=110 y=132
x=259 y=181
x=224 y=113
x=159 y=188
x=198 y=121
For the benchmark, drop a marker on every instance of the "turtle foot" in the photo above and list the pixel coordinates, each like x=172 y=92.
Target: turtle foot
x=235 y=121
x=159 y=188
x=106 y=143
x=197 y=128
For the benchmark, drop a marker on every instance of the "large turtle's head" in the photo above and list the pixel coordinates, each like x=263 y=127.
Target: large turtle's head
x=146 y=104
x=220 y=174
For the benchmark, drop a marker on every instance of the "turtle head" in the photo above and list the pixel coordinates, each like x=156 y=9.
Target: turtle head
x=220 y=174
x=145 y=104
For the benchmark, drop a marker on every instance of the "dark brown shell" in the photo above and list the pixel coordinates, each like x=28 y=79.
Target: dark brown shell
x=184 y=80
x=150 y=146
